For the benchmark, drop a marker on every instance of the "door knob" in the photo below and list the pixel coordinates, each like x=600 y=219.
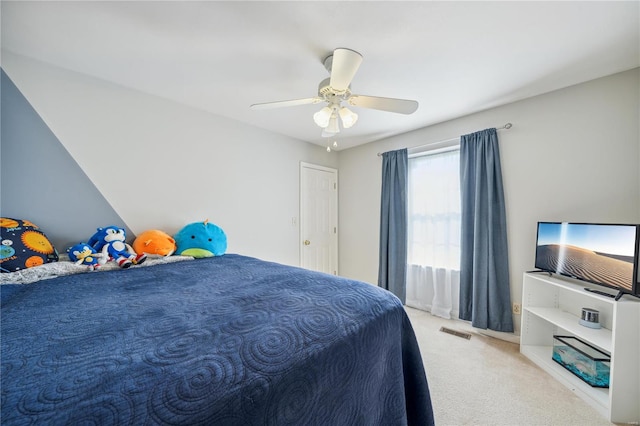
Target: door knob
x=307 y=242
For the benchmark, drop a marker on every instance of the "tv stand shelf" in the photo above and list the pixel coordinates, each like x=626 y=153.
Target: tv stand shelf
x=553 y=305
x=569 y=322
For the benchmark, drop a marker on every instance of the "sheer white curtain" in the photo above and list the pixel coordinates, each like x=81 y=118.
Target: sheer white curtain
x=433 y=256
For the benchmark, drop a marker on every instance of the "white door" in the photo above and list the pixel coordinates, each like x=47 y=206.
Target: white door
x=319 y=218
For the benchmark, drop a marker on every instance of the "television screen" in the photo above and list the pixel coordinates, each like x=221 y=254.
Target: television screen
x=604 y=254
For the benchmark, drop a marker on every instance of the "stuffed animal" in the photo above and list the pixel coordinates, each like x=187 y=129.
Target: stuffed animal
x=110 y=241
x=201 y=239
x=84 y=254
x=156 y=242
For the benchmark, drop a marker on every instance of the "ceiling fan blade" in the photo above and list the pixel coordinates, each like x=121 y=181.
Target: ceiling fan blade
x=344 y=65
x=401 y=106
x=280 y=104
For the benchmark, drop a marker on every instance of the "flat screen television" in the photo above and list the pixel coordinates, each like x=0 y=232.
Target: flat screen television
x=598 y=253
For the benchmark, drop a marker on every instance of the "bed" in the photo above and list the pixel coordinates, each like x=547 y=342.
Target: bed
x=219 y=341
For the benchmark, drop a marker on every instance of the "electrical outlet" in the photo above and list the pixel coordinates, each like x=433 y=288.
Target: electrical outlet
x=517 y=308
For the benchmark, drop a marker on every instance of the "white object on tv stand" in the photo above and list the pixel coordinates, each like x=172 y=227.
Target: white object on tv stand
x=553 y=305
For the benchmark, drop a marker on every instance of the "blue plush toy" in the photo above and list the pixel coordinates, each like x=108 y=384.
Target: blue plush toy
x=110 y=241
x=84 y=254
x=201 y=239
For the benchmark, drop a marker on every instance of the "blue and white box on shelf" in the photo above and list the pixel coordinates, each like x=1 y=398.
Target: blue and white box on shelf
x=585 y=361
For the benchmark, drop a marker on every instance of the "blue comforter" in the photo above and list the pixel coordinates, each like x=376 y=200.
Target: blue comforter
x=220 y=341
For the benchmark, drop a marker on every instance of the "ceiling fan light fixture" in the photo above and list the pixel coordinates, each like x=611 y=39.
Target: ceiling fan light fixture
x=333 y=126
x=323 y=117
x=348 y=117
x=327 y=134
x=342 y=65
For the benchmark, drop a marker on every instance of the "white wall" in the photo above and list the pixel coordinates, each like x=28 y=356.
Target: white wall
x=572 y=155
x=162 y=165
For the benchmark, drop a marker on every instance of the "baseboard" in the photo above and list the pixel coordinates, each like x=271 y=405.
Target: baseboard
x=507 y=337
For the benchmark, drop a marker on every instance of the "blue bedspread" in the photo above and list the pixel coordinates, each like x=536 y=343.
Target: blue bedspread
x=220 y=341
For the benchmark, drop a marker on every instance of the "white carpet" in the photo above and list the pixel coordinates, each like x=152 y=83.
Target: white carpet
x=486 y=381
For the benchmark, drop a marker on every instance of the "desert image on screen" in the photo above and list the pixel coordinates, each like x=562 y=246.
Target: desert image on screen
x=586 y=264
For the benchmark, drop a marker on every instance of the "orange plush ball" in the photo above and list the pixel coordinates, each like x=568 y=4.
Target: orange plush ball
x=154 y=241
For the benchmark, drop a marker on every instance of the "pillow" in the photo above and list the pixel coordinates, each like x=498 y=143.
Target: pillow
x=23 y=245
x=65 y=267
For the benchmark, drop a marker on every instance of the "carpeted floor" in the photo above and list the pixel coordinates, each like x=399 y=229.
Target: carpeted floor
x=486 y=381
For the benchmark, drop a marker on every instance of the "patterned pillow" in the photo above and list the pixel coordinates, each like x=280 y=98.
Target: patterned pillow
x=23 y=245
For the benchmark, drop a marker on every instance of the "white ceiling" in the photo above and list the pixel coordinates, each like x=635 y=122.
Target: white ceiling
x=454 y=58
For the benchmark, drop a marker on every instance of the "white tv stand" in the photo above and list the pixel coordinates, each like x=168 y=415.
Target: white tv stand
x=553 y=305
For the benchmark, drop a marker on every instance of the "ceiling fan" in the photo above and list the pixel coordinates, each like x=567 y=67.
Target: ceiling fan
x=342 y=64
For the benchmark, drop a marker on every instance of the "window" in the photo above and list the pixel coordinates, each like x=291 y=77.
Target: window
x=434 y=209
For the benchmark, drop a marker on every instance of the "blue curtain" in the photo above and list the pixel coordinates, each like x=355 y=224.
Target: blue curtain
x=393 y=223
x=484 y=265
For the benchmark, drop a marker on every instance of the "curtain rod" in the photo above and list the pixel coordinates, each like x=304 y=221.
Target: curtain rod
x=506 y=126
